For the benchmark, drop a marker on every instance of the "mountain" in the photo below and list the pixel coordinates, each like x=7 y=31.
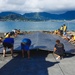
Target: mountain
x=10 y=16
x=2 y=14
x=37 y=16
x=70 y=15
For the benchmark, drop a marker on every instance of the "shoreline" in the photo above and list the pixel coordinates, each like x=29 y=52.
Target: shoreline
x=48 y=32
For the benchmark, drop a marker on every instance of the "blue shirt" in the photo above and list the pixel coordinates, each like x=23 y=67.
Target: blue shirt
x=9 y=40
x=27 y=41
x=27 y=44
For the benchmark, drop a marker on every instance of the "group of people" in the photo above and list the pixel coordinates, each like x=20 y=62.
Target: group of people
x=69 y=38
x=59 y=51
x=8 y=42
x=61 y=31
x=25 y=44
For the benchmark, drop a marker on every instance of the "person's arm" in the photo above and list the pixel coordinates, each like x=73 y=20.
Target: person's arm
x=71 y=40
x=54 y=49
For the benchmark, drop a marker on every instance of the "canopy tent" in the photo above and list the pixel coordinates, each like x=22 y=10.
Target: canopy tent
x=42 y=41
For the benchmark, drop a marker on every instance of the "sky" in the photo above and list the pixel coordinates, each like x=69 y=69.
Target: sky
x=27 y=6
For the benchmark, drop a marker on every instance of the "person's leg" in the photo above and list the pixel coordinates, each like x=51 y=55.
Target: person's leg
x=10 y=46
x=12 y=51
x=57 y=56
x=22 y=48
x=28 y=52
x=4 y=52
x=23 y=53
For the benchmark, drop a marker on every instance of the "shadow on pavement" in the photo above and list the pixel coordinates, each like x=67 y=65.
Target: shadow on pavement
x=36 y=65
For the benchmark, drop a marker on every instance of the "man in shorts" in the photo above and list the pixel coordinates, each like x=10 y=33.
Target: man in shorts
x=25 y=44
x=8 y=43
x=59 y=50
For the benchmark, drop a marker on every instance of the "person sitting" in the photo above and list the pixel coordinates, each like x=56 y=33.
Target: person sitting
x=8 y=43
x=72 y=39
x=59 y=49
x=25 y=44
x=18 y=31
x=60 y=32
x=66 y=37
x=56 y=32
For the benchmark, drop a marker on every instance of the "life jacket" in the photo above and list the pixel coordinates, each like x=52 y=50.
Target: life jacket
x=64 y=28
x=61 y=28
x=7 y=35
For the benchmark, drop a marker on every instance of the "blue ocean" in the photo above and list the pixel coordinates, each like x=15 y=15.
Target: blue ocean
x=7 y=26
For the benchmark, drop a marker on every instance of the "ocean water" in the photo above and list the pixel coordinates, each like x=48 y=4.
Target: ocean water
x=7 y=26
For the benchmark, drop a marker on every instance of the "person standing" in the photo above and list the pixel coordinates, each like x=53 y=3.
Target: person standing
x=8 y=43
x=61 y=28
x=25 y=44
x=64 y=29
x=59 y=49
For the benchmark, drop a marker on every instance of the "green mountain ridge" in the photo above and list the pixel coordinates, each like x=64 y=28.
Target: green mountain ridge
x=37 y=16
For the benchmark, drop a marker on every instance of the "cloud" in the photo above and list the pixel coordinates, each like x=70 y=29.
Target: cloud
x=23 y=6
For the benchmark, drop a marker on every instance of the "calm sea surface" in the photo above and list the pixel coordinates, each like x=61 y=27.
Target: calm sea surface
x=35 y=26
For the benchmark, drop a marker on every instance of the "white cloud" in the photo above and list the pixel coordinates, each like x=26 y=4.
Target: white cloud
x=23 y=6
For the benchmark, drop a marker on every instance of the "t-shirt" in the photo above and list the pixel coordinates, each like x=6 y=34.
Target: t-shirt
x=9 y=40
x=59 y=47
x=25 y=44
x=26 y=41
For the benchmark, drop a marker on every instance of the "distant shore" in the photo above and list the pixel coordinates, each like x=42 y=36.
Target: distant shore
x=48 y=32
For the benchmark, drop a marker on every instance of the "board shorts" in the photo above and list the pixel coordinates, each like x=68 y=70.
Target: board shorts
x=60 y=53
x=7 y=45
